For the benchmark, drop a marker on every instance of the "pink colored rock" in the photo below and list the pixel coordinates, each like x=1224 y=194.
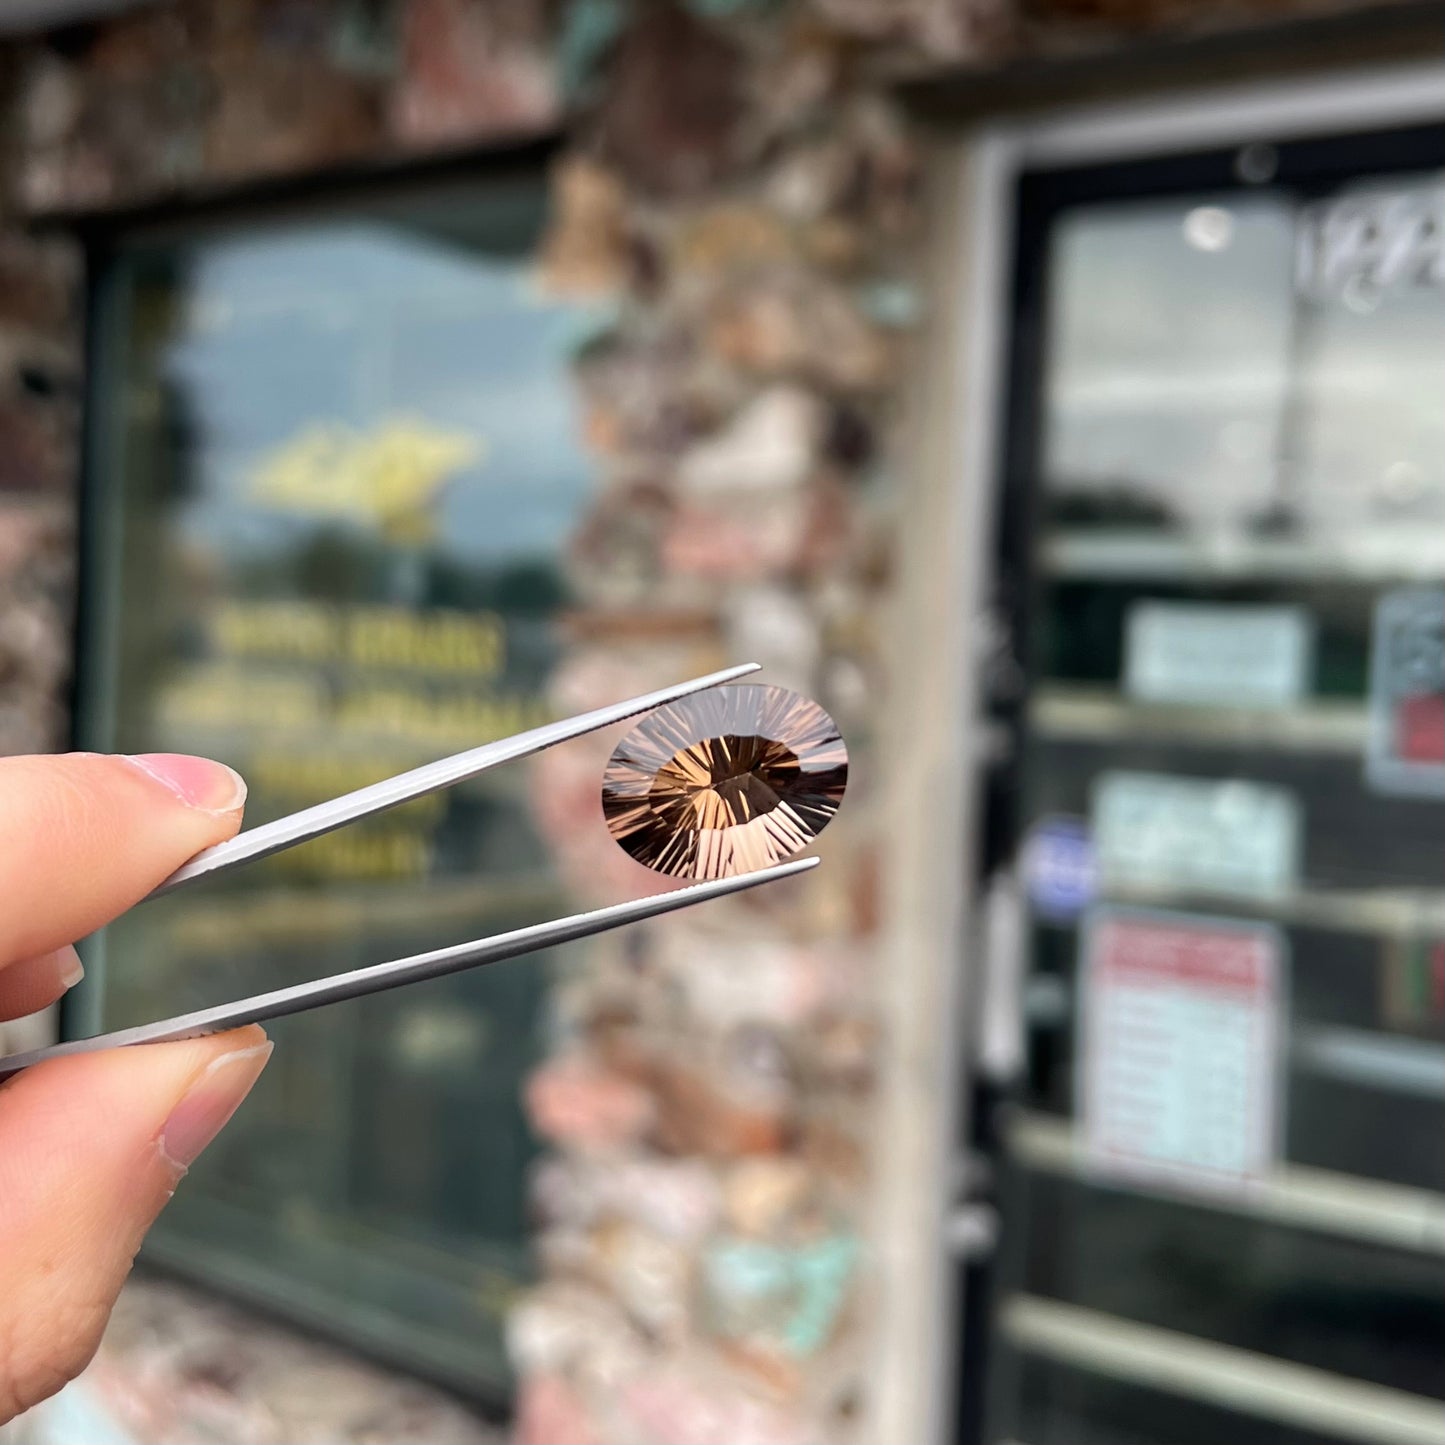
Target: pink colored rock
x=472 y=72
x=573 y=1101
x=690 y=1404
x=550 y=1411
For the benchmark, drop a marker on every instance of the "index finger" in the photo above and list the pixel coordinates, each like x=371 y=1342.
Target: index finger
x=83 y=836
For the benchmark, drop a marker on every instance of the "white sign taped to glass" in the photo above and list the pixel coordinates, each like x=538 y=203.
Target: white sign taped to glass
x=1217 y=654
x=1406 y=752
x=1180 y=1047
x=1158 y=832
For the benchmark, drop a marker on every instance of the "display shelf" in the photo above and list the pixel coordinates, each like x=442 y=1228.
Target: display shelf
x=1363 y=556
x=1337 y=1406
x=1372 y=1060
x=1100 y=715
x=1357 y=1056
x=1296 y=1196
x=1409 y=911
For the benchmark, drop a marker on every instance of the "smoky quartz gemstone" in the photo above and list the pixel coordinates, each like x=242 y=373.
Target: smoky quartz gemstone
x=725 y=781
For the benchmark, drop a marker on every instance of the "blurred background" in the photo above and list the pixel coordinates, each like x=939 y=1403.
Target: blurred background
x=1055 y=390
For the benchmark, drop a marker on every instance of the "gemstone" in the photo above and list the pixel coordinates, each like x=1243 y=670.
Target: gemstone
x=725 y=781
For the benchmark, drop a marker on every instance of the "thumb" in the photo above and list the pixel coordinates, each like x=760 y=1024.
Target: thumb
x=91 y=1148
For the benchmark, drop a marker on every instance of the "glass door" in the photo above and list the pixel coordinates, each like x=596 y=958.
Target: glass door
x=1221 y=1175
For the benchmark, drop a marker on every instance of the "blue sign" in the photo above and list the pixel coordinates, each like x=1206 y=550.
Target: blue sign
x=1059 y=869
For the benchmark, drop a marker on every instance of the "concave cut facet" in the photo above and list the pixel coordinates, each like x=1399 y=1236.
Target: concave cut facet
x=725 y=781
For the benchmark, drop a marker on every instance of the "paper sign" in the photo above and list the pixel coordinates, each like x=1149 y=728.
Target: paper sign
x=1153 y=830
x=1217 y=655
x=1059 y=868
x=1407 y=694
x=1180 y=1046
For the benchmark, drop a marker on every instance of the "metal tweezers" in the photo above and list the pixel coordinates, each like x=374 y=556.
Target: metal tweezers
x=312 y=822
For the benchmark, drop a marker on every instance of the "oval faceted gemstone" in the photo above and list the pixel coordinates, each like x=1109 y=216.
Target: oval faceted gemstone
x=725 y=781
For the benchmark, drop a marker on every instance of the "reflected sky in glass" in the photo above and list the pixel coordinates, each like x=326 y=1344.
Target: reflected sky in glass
x=1185 y=370
x=458 y=340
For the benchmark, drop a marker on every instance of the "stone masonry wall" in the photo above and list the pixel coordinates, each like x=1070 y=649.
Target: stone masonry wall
x=740 y=188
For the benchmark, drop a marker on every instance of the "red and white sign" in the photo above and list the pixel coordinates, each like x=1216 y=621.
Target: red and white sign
x=1407 y=693
x=1179 y=1047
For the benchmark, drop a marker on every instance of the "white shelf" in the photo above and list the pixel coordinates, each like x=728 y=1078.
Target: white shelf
x=1357 y=910
x=1137 y=554
x=1078 y=714
x=1336 y=1406
x=1371 y=1060
x=1302 y=1198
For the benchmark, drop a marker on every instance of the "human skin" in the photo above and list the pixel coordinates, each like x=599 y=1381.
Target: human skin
x=92 y=1147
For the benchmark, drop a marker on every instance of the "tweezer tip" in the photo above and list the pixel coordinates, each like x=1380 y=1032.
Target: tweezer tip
x=801 y=865
x=777 y=870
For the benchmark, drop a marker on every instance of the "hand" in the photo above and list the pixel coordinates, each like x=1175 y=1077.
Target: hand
x=92 y=1147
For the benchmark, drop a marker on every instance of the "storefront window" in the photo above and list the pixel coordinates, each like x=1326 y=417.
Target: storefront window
x=334 y=469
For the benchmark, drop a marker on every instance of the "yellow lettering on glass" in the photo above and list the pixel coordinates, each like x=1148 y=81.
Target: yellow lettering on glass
x=361 y=853
x=441 y=642
x=303 y=631
x=305 y=778
x=389 y=478
x=226 y=697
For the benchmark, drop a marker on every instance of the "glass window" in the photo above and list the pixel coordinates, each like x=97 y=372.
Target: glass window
x=335 y=469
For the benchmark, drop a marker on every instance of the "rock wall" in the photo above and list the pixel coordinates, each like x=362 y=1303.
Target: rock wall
x=739 y=187
x=749 y=205
x=39 y=431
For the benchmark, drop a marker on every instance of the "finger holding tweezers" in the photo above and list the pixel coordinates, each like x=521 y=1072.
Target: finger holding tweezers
x=296 y=828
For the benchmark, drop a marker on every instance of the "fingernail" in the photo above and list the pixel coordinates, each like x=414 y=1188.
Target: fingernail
x=41 y=979
x=197 y=782
x=69 y=970
x=209 y=1102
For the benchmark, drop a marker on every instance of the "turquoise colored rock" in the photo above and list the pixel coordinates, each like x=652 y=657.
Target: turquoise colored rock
x=803 y=1289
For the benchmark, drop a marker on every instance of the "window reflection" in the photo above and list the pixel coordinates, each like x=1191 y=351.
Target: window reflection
x=1170 y=362
x=1203 y=376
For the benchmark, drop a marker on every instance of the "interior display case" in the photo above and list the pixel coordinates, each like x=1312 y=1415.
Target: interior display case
x=332 y=474
x=1220 y=1176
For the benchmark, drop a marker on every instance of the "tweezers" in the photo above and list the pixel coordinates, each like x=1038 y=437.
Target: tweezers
x=261 y=842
